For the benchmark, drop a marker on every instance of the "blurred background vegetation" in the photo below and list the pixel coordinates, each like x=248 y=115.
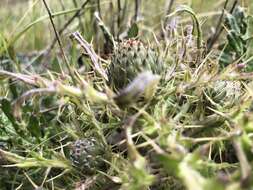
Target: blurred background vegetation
x=17 y=15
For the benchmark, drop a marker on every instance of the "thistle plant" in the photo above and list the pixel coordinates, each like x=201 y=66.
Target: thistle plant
x=87 y=155
x=131 y=57
x=154 y=111
x=226 y=94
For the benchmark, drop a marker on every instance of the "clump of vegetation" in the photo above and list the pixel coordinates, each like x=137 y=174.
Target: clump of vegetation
x=117 y=101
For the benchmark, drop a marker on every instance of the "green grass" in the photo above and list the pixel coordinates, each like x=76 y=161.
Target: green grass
x=188 y=127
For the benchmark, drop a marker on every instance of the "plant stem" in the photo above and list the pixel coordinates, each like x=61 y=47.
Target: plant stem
x=77 y=14
x=59 y=41
x=137 y=10
x=79 y=17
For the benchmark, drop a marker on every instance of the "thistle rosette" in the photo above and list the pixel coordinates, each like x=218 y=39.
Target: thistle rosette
x=225 y=93
x=87 y=155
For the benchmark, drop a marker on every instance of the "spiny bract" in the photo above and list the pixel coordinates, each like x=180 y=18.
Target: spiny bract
x=129 y=58
x=86 y=154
